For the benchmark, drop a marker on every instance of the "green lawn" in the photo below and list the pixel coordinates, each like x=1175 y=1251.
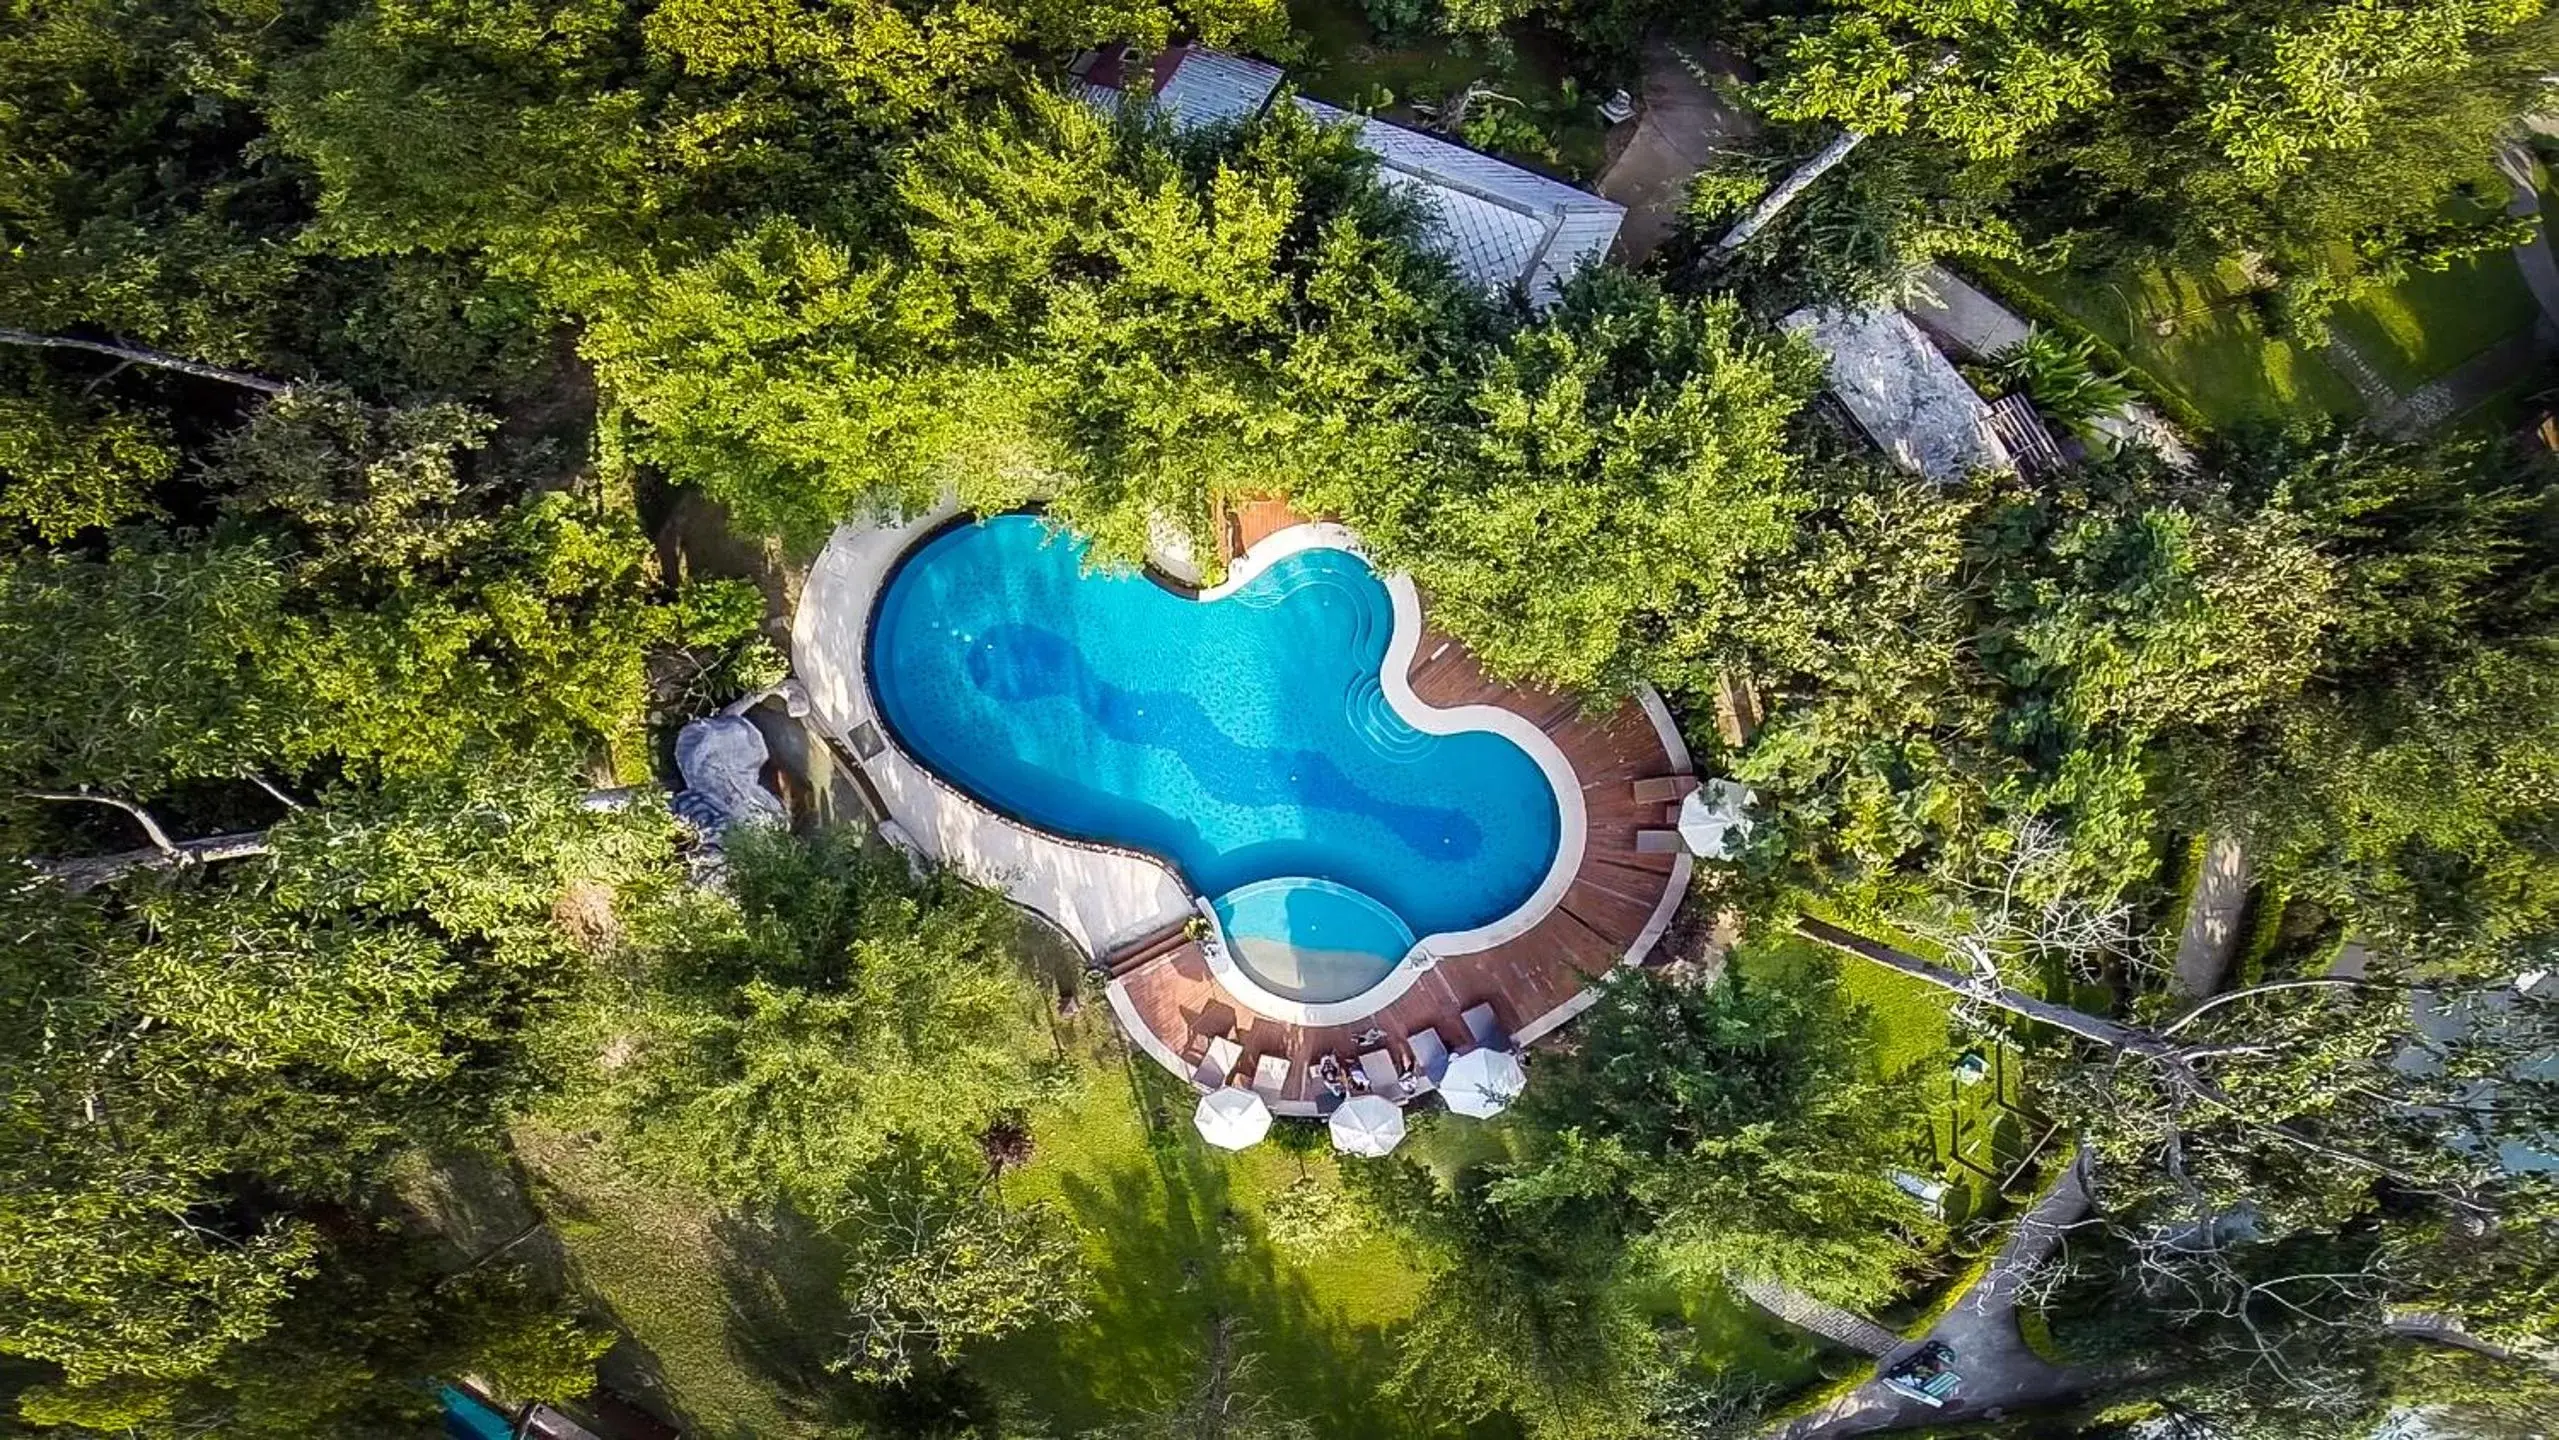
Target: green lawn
x=725 y=1321
x=1347 y=64
x=1974 y=1131
x=2192 y=336
x=2430 y=323
x=1174 y=1237
x=2193 y=339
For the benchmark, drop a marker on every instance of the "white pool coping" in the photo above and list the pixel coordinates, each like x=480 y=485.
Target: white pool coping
x=1105 y=897
x=1102 y=898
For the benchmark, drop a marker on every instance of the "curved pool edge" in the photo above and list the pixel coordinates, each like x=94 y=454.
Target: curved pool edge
x=1395 y=679
x=1103 y=897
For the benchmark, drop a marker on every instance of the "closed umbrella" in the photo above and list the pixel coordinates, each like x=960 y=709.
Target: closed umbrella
x=1483 y=1082
x=1367 y=1125
x=1232 y=1117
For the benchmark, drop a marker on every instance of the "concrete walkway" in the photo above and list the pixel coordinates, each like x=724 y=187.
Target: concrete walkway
x=1819 y=1317
x=2211 y=934
x=2534 y=257
x=2464 y=387
x=1101 y=897
x=1999 y=1372
x=1682 y=126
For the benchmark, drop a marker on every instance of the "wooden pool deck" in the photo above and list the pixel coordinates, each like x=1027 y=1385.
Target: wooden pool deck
x=1614 y=911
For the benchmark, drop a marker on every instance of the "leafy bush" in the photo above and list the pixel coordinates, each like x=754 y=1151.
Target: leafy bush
x=2061 y=376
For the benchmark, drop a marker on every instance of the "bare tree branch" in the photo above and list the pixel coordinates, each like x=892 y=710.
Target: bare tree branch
x=87 y=872
x=137 y=355
x=159 y=838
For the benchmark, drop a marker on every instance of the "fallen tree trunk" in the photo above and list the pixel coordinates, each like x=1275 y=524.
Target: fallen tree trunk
x=2061 y=1017
x=88 y=872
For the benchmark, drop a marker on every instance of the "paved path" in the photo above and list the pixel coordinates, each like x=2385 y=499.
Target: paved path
x=1999 y=1371
x=2211 y=936
x=2464 y=387
x=1845 y=1327
x=2358 y=371
x=1682 y=126
x=2540 y=269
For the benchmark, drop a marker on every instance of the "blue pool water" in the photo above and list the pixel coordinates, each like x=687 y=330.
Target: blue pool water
x=465 y=1418
x=1244 y=739
x=1311 y=939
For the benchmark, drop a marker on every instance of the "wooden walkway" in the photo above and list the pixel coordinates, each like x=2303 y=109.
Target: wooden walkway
x=1533 y=982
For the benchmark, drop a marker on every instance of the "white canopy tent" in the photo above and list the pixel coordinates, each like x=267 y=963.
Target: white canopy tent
x=1483 y=1082
x=1232 y=1118
x=1714 y=818
x=1368 y=1125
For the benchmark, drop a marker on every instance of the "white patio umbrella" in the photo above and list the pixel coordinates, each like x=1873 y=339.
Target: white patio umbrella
x=1483 y=1082
x=1714 y=817
x=1232 y=1117
x=1368 y=1125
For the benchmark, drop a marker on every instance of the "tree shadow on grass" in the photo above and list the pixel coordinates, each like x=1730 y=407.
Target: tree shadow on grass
x=1169 y=1257
x=783 y=1279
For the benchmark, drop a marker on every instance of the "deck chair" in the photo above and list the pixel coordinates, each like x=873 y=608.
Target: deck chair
x=1270 y=1077
x=1486 y=1030
x=1217 y=1063
x=1659 y=842
x=1430 y=1059
x=1664 y=789
x=1383 y=1078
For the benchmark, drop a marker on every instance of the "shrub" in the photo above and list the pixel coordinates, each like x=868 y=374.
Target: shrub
x=2061 y=376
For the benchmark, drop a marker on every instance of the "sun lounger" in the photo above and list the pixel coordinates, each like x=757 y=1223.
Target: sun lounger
x=1663 y=789
x=1486 y=1030
x=1270 y=1077
x=1383 y=1077
x=1217 y=1063
x=1658 y=842
x=1430 y=1058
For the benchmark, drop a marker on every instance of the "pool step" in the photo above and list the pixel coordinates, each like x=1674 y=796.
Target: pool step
x=1147 y=948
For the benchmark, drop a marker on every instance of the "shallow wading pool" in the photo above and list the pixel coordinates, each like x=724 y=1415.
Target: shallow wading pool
x=1245 y=739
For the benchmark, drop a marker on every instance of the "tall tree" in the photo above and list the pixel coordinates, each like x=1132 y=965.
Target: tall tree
x=1745 y=1125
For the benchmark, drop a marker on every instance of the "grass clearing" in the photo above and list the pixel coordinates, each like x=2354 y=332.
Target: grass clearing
x=1175 y=1238
x=1978 y=1131
x=719 y=1316
x=2192 y=336
x=2430 y=323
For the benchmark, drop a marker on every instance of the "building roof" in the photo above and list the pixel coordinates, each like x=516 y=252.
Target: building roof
x=1904 y=393
x=1506 y=228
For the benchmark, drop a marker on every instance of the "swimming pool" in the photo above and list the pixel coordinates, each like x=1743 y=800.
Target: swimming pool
x=1244 y=739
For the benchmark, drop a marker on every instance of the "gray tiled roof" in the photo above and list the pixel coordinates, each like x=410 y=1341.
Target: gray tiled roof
x=1209 y=87
x=1905 y=394
x=1507 y=229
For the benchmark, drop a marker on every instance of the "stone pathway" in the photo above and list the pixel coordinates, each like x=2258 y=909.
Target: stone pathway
x=1844 y=1327
x=2211 y=935
x=1681 y=127
x=1999 y=1372
x=2357 y=371
x=2464 y=387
